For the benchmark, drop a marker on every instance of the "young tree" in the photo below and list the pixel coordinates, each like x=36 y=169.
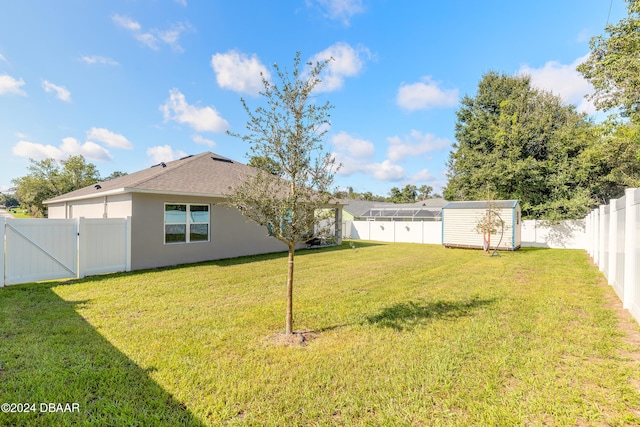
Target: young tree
x=289 y=131
x=490 y=222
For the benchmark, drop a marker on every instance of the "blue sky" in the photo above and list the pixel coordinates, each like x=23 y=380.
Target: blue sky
x=131 y=83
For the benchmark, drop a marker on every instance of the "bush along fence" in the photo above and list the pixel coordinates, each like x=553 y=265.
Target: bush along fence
x=613 y=242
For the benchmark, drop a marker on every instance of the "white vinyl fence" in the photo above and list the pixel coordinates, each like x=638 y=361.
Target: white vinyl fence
x=394 y=231
x=564 y=234
x=49 y=249
x=613 y=242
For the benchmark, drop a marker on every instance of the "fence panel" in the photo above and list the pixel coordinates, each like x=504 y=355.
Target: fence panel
x=51 y=249
x=613 y=241
x=632 y=253
x=104 y=245
x=618 y=278
x=40 y=249
x=604 y=239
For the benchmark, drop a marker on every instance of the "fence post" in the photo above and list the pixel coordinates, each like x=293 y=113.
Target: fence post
x=82 y=247
x=630 y=267
x=613 y=241
x=3 y=227
x=595 y=229
x=602 y=244
x=128 y=244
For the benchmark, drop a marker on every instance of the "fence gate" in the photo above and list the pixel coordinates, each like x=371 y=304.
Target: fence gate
x=40 y=249
x=52 y=249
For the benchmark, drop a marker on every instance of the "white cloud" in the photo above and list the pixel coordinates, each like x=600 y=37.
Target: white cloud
x=205 y=119
x=126 y=23
x=153 y=37
x=355 y=155
x=354 y=147
x=164 y=153
x=34 y=151
x=172 y=35
x=341 y=10
x=9 y=85
x=90 y=150
x=2 y=58
x=346 y=62
x=563 y=80
x=198 y=139
x=387 y=171
x=423 y=175
x=238 y=72
x=69 y=147
x=414 y=145
x=182 y=2
x=96 y=59
x=425 y=94
x=112 y=139
x=62 y=93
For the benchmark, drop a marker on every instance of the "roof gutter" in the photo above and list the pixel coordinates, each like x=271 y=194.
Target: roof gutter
x=132 y=190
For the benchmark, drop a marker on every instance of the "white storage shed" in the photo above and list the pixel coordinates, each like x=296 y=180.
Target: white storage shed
x=460 y=224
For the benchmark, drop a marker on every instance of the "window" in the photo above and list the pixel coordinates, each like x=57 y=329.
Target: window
x=186 y=223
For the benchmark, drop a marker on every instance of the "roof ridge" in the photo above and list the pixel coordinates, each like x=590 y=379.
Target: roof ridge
x=183 y=161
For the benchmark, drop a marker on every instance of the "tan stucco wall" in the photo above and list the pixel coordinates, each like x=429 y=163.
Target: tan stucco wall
x=232 y=234
x=116 y=206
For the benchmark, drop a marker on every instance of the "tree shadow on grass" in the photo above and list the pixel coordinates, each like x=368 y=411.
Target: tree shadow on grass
x=408 y=315
x=51 y=354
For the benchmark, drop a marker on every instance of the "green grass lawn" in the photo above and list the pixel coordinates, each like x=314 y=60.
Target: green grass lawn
x=397 y=334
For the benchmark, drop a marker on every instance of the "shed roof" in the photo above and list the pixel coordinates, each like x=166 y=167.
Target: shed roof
x=481 y=204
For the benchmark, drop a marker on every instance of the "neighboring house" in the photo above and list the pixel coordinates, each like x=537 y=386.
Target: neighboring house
x=460 y=221
x=424 y=210
x=178 y=211
x=354 y=210
x=365 y=210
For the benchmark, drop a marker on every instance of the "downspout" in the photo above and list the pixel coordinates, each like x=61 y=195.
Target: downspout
x=513 y=227
x=442 y=228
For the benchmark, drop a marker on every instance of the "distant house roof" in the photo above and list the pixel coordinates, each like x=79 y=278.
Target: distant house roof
x=481 y=204
x=360 y=208
x=357 y=208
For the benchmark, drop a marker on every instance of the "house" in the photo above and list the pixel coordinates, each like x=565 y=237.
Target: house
x=424 y=210
x=460 y=221
x=364 y=210
x=178 y=211
x=354 y=210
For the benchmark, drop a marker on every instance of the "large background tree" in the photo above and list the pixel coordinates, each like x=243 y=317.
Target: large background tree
x=47 y=178
x=288 y=131
x=526 y=144
x=613 y=66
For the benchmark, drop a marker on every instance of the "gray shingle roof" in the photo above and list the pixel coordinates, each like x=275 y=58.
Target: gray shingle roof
x=207 y=174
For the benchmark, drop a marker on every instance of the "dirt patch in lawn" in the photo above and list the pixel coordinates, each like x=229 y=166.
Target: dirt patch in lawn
x=631 y=333
x=628 y=325
x=296 y=339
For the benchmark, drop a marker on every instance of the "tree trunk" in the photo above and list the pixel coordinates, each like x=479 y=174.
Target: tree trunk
x=289 y=320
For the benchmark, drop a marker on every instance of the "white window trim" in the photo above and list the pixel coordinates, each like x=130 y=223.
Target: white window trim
x=187 y=224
